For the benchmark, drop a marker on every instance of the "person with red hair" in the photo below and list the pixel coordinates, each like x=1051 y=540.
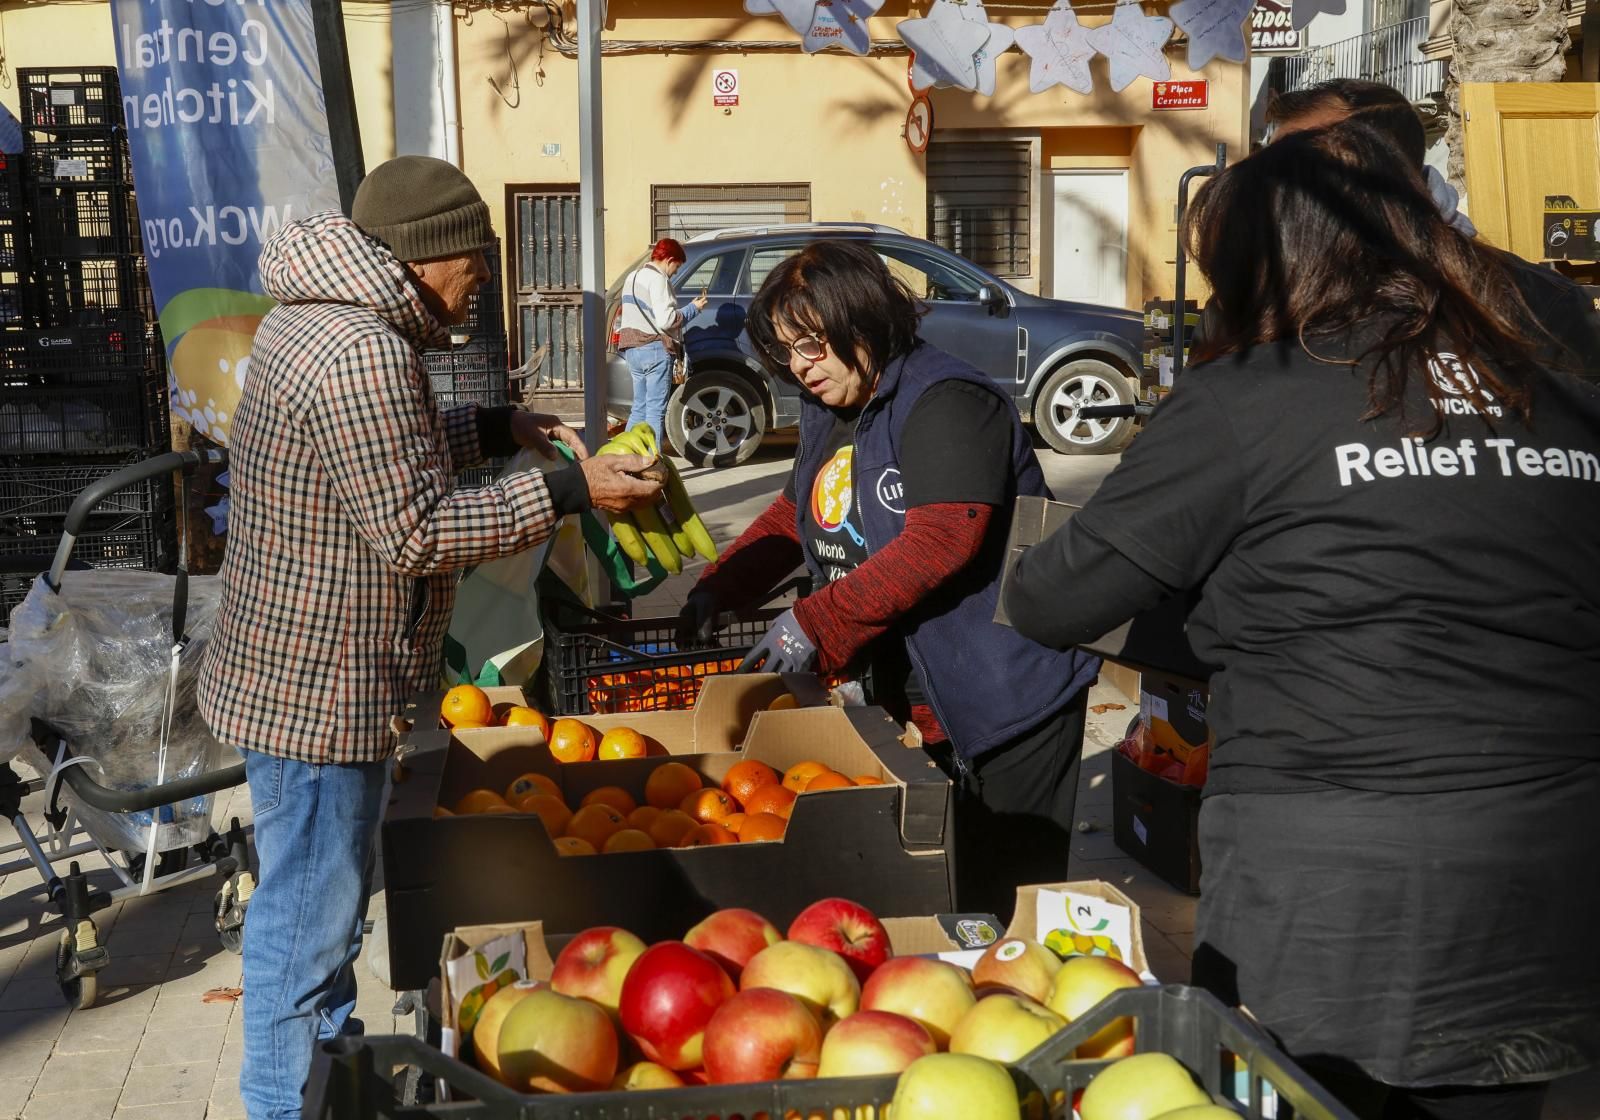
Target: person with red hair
x=650 y=331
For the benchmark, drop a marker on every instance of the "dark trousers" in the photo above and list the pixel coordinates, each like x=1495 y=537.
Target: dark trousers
x=1014 y=812
x=1373 y=1100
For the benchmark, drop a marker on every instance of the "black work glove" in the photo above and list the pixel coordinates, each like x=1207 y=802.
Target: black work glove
x=697 y=621
x=785 y=649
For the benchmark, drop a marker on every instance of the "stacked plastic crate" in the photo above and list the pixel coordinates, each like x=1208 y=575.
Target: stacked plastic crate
x=84 y=381
x=474 y=368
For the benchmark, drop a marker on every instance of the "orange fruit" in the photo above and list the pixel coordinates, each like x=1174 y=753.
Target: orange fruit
x=440 y=811
x=643 y=817
x=868 y=780
x=469 y=725
x=708 y=835
x=733 y=822
x=500 y=808
x=615 y=796
x=828 y=779
x=783 y=703
x=762 y=826
x=551 y=810
x=622 y=742
x=478 y=800
x=629 y=840
x=531 y=783
x=744 y=778
x=800 y=775
x=572 y=741
x=707 y=805
x=467 y=703
x=669 y=784
x=671 y=827
x=595 y=823
x=519 y=716
x=573 y=846
x=777 y=800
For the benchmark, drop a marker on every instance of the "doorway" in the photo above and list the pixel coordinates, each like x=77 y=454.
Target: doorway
x=1089 y=236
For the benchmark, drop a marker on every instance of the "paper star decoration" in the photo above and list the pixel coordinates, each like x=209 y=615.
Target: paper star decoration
x=946 y=45
x=1305 y=10
x=841 y=23
x=798 y=14
x=1000 y=39
x=1060 y=51
x=1133 y=41
x=1215 y=29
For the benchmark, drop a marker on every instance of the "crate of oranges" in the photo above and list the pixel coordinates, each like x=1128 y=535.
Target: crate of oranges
x=645 y=820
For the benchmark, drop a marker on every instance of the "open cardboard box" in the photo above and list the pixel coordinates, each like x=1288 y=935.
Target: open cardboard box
x=883 y=845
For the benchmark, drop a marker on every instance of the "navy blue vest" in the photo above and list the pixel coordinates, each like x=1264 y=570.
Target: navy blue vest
x=986 y=683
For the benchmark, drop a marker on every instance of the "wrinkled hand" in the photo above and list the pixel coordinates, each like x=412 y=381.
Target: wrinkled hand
x=697 y=621
x=785 y=649
x=612 y=485
x=700 y=302
x=535 y=430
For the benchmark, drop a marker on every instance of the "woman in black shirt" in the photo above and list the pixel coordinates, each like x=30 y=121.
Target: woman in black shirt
x=1391 y=513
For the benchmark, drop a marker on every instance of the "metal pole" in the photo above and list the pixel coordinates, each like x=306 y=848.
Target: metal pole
x=591 y=227
x=338 y=92
x=1180 y=325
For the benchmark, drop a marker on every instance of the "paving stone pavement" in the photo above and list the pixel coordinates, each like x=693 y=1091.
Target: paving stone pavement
x=151 y=1047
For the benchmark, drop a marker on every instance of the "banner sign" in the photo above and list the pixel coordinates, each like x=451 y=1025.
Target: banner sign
x=1272 y=28
x=228 y=127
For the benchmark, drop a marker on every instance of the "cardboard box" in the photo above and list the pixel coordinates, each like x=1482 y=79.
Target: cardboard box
x=1157 y=822
x=1154 y=641
x=883 y=846
x=1175 y=713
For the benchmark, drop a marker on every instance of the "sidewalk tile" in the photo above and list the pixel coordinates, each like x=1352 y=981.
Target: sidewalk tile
x=163 y=1084
x=172 y=1110
x=99 y=1029
x=96 y=1105
x=185 y=1046
x=226 y=1103
x=142 y=939
x=148 y=968
x=35 y=1023
x=231 y=1056
x=14 y=1094
x=183 y=1008
x=24 y=1059
x=83 y=1073
x=30 y=995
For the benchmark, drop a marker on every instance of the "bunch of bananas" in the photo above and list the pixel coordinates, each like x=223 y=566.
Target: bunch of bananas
x=669 y=530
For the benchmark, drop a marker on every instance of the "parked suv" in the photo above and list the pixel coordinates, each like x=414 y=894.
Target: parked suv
x=1053 y=357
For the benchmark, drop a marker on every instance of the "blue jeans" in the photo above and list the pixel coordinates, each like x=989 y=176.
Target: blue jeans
x=651 y=367
x=315 y=829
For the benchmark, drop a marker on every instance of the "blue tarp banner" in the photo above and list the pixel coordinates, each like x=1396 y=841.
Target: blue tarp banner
x=229 y=131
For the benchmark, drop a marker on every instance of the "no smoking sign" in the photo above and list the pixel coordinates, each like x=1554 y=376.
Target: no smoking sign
x=725 y=88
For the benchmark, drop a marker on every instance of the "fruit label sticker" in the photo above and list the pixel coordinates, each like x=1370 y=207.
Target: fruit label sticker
x=473 y=978
x=832 y=494
x=1072 y=924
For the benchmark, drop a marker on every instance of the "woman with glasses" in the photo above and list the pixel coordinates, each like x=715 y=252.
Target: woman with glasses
x=899 y=506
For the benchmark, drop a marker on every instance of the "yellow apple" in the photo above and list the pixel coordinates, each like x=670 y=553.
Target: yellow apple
x=1080 y=984
x=942 y=1086
x=1004 y=1027
x=819 y=977
x=1143 y=1087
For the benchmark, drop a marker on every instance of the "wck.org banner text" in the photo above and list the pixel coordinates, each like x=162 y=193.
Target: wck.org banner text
x=229 y=132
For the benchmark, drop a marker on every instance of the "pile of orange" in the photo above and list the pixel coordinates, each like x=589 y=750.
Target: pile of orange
x=466 y=706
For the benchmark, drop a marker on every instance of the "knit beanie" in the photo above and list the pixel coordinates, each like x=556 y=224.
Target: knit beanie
x=423 y=209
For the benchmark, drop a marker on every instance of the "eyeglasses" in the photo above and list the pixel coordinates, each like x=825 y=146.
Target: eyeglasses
x=808 y=347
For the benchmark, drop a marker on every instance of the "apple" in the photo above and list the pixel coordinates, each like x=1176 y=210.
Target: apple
x=1082 y=982
x=594 y=964
x=1201 y=1112
x=486 y=1031
x=1142 y=1087
x=762 y=1035
x=1004 y=1027
x=557 y=1044
x=940 y=1086
x=930 y=991
x=1022 y=966
x=732 y=937
x=646 y=1075
x=821 y=978
x=846 y=927
x=869 y=1043
x=668 y=998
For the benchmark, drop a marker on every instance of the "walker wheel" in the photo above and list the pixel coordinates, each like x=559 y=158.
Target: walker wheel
x=231 y=903
x=79 y=986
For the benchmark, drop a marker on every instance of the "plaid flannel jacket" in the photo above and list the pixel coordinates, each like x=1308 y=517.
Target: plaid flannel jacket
x=344 y=535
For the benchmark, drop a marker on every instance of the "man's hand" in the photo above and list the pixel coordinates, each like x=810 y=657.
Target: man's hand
x=612 y=485
x=535 y=430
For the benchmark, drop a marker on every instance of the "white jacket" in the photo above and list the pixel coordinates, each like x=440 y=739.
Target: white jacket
x=648 y=303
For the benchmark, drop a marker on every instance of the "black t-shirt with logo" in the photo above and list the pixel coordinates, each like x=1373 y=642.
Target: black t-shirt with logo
x=955 y=447
x=1390 y=612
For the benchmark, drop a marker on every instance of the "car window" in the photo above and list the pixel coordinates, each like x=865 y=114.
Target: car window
x=715 y=276
x=761 y=263
x=929 y=277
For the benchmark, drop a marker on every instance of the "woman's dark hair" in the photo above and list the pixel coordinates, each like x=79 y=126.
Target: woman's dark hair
x=843 y=291
x=669 y=251
x=1372 y=103
x=1331 y=230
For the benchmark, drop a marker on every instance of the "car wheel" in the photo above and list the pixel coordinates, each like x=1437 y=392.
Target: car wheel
x=716 y=419
x=1083 y=382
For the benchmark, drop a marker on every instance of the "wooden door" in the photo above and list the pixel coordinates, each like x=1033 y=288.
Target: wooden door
x=1524 y=141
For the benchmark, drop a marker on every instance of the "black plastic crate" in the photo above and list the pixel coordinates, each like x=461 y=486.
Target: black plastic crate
x=61 y=97
x=14 y=583
x=476 y=477
x=48 y=490
x=70 y=220
x=11 y=195
x=83 y=412
x=486 y=312
x=77 y=351
x=144 y=541
x=13 y=244
x=16 y=310
x=92 y=291
x=97 y=157
x=475 y=372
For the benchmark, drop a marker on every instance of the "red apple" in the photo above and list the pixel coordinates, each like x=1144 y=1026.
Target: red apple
x=668 y=998
x=1018 y=965
x=594 y=964
x=873 y=1042
x=930 y=991
x=557 y=1044
x=762 y=1035
x=821 y=979
x=646 y=1075
x=1083 y=982
x=848 y=929
x=732 y=937
x=1004 y=1027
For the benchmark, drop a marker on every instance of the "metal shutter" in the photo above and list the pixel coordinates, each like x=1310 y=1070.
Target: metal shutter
x=980 y=200
x=682 y=212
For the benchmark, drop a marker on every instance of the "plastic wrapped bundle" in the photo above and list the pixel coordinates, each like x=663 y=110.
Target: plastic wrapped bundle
x=93 y=663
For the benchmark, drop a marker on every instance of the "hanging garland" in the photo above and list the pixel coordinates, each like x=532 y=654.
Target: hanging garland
x=1060 y=50
x=1132 y=41
x=1215 y=29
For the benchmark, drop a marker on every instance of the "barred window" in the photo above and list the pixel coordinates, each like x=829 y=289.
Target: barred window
x=980 y=199
x=684 y=211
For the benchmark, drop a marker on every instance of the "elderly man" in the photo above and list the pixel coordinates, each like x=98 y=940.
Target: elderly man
x=345 y=537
